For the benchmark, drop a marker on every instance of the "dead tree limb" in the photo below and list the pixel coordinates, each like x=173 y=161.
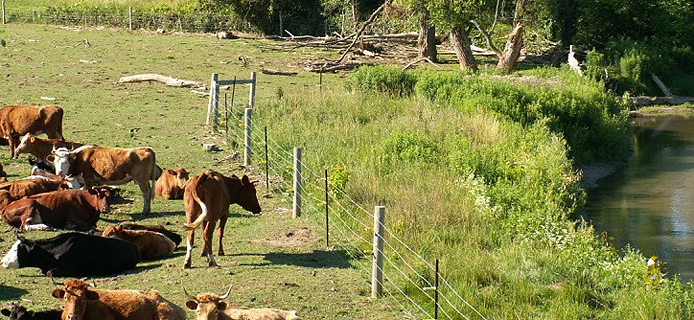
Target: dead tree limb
x=169 y=81
x=487 y=37
x=278 y=72
x=409 y=65
x=361 y=30
x=661 y=85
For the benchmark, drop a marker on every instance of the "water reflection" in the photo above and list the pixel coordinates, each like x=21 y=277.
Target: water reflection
x=649 y=204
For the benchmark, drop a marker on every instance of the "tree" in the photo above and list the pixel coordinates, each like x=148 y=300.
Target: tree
x=455 y=16
x=426 y=43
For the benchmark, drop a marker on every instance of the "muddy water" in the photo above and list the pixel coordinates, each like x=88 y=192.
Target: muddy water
x=649 y=204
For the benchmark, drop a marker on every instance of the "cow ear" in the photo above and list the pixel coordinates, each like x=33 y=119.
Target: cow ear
x=191 y=304
x=222 y=305
x=92 y=295
x=58 y=293
x=50 y=158
x=245 y=180
x=5 y=312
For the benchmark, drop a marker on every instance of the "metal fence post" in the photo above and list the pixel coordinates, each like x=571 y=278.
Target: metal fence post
x=248 y=113
x=377 y=265
x=297 y=183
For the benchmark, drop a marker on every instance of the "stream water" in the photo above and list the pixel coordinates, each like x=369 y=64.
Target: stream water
x=649 y=203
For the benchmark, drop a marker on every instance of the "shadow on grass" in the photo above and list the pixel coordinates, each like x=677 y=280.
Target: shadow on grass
x=11 y=293
x=315 y=259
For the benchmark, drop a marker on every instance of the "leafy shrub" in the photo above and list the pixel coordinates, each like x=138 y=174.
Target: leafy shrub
x=390 y=80
x=408 y=146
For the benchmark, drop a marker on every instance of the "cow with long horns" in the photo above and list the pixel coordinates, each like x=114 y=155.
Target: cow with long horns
x=209 y=306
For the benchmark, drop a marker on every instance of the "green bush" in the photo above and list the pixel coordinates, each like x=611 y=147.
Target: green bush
x=410 y=147
x=391 y=80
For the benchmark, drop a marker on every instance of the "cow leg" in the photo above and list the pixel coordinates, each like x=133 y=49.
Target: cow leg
x=189 y=249
x=146 y=195
x=222 y=223
x=207 y=240
x=13 y=141
x=203 y=227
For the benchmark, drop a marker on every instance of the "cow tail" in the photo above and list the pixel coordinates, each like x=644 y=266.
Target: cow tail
x=203 y=208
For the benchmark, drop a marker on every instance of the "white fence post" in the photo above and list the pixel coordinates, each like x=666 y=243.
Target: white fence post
x=130 y=18
x=377 y=265
x=248 y=113
x=251 y=94
x=212 y=104
x=4 y=13
x=297 y=183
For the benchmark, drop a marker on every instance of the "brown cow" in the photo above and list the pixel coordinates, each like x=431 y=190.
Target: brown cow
x=84 y=303
x=41 y=148
x=207 y=198
x=112 y=166
x=152 y=245
x=171 y=184
x=209 y=306
x=55 y=209
x=16 y=121
x=16 y=189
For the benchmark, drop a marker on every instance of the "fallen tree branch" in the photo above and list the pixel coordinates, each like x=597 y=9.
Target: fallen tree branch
x=644 y=101
x=169 y=81
x=361 y=30
x=325 y=68
x=661 y=85
x=420 y=60
x=278 y=72
x=487 y=38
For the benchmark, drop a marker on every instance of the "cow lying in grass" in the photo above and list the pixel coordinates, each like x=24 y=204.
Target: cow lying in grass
x=152 y=245
x=209 y=306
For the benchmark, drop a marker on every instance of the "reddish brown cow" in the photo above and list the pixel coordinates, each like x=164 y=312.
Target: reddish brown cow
x=20 y=188
x=152 y=245
x=209 y=306
x=55 y=209
x=41 y=148
x=207 y=198
x=171 y=184
x=85 y=303
x=112 y=166
x=16 y=121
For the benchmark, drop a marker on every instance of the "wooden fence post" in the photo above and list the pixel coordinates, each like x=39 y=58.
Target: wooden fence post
x=4 y=13
x=377 y=265
x=130 y=18
x=248 y=113
x=212 y=104
x=327 y=221
x=251 y=94
x=297 y=183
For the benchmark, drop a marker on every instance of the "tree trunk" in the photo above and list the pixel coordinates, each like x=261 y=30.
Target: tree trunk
x=509 y=57
x=567 y=21
x=426 y=43
x=461 y=45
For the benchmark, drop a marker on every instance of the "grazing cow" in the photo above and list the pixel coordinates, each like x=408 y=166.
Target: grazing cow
x=55 y=209
x=113 y=166
x=16 y=121
x=152 y=245
x=209 y=306
x=73 y=254
x=16 y=189
x=207 y=198
x=41 y=148
x=17 y=312
x=171 y=184
x=84 y=303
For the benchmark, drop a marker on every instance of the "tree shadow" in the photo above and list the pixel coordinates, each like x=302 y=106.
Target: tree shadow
x=11 y=293
x=315 y=259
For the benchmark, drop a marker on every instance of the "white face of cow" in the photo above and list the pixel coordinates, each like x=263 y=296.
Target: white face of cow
x=23 y=144
x=11 y=259
x=61 y=161
x=74 y=182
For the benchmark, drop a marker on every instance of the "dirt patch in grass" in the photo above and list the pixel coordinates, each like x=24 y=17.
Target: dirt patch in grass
x=292 y=238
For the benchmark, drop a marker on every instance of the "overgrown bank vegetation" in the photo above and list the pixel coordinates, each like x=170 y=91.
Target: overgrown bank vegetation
x=479 y=171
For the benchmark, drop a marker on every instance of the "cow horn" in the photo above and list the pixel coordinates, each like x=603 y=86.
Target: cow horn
x=190 y=296
x=226 y=294
x=50 y=273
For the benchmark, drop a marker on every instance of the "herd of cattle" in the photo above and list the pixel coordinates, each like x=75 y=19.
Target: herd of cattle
x=70 y=186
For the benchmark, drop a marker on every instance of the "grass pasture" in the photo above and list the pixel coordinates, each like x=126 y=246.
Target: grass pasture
x=46 y=61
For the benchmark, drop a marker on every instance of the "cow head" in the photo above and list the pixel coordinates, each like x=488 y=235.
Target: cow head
x=15 y=312
x=112 y=230
x=76 y=293
x=61 y=160
x=102 y=193
x=247 y=197
x=207 y=305
x=19 y=248
x=24 y=145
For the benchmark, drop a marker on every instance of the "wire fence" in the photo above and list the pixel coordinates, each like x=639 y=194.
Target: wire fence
x=408 y=278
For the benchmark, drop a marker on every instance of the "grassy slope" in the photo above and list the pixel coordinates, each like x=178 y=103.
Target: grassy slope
x=44 y=61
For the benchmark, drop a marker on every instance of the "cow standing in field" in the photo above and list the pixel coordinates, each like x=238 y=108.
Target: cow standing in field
x=41 y=148
x=73 y=254
x=171 y=184
x=152 y=245
x=206 y=199
x=18 y=312
x=112 y=166
x=209 y=306
x=16 y=121
x=56 y=209
x=85 y=303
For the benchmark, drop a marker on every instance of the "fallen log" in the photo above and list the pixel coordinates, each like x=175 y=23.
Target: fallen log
x=661 y=85
x=278 y=72
x=169 y=81
x=644 y=101
x=330 y=68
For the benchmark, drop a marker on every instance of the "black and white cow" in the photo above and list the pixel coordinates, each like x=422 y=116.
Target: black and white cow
x=73 y=255
x=17 y=312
